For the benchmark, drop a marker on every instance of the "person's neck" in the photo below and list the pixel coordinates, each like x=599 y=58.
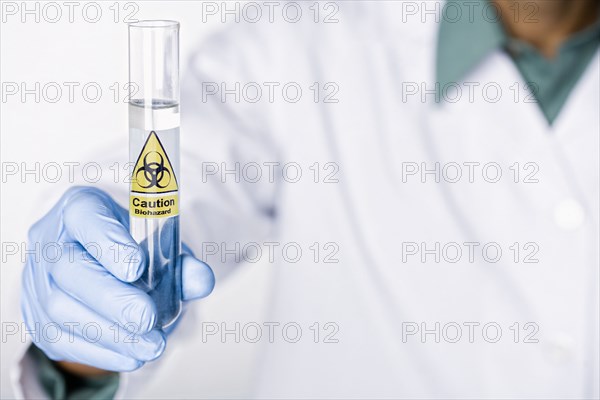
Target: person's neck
x=546 y=24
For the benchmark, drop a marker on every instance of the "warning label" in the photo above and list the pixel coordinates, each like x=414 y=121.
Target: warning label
x=153 y=172
x=153 y=183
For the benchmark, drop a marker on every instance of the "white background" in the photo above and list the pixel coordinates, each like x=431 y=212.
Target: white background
x=61 y=132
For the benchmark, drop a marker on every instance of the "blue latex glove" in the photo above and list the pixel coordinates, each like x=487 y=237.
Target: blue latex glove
x=77 y=296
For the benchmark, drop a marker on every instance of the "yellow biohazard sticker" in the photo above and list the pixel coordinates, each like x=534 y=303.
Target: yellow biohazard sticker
x=153 y=172
x=153 y=183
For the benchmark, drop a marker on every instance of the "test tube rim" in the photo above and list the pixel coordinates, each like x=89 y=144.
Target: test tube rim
x=154 y=24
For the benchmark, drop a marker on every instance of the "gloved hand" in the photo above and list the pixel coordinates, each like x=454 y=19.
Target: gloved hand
x=77 y=296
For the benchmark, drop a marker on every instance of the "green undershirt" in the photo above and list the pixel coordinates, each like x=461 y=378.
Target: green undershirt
x=61 y=385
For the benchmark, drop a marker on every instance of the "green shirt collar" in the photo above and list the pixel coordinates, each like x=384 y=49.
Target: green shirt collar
x=465 y=41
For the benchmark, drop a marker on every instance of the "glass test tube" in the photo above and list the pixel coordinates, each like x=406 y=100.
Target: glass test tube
x=154 y=156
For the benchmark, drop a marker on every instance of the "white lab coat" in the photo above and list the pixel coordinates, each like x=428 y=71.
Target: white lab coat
x=371 y=294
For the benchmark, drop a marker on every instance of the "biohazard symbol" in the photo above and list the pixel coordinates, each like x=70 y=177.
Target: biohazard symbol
x=153 y=172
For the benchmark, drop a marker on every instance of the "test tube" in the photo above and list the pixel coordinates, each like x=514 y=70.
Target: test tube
x=154 y=156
